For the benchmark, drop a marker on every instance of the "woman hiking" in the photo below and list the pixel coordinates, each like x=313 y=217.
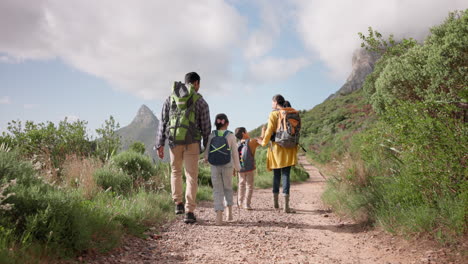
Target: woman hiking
x=279 y=159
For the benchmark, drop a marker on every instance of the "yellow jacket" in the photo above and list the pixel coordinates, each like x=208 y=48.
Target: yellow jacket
x=277 y=156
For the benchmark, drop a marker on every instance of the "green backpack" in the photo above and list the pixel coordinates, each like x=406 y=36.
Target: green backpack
x=182 y=127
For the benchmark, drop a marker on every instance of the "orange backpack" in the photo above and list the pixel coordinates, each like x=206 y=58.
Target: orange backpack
x=289 y=127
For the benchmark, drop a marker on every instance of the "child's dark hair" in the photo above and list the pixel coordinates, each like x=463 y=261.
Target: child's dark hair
x=192 y=77
x=279 y=99
x=240 y=132
x=287 y=104
x=221 y=120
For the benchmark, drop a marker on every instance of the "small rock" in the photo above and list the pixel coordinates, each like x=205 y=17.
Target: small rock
x=325 y=215
x=156 y=236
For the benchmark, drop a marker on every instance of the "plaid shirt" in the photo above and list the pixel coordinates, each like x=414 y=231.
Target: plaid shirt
x=202 y=114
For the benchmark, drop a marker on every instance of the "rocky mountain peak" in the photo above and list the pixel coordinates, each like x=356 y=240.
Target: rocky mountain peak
x=145 y=117
x=363 y=64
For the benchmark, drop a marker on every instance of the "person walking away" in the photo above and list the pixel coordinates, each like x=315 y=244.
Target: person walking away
x=246 y=149
x=222 y=154
x=185 y=123
x=284 y=125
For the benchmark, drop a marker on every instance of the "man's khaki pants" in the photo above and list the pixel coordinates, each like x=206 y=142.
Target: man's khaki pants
x=246 y=187
x=188 y=156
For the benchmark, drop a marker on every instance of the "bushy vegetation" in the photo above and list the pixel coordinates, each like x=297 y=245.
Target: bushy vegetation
x=62 y=193
x=406 y=168
x=137 y=165
x=113 y=180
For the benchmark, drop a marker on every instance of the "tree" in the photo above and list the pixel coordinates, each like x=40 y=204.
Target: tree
x=109 y=142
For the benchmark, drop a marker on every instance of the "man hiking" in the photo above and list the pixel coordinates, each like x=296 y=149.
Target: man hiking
x=185 y=121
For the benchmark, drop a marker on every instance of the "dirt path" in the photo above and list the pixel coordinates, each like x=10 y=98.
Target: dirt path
x=312 y=235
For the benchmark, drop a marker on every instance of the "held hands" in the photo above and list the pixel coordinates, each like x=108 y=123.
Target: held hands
x=259 y=140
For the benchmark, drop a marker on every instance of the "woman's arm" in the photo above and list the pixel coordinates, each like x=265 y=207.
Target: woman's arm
x=272 y=120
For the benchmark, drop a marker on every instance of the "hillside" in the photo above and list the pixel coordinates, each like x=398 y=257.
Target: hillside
x=143 y=128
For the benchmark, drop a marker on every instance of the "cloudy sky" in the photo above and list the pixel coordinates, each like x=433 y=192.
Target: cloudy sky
x=85 y=59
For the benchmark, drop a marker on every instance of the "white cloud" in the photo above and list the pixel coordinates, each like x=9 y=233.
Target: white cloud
x=275 y=69
x=272 y=18
x=138 y=46
x=329 y=28
x=5 y=100
x=275 y=17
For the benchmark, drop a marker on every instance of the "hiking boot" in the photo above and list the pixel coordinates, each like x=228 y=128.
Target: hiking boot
x=287 y=209
x=190 y=218
x=248 y=207
x=219 y=218
x=229 y=213
x=275 y=200
x=179 y=208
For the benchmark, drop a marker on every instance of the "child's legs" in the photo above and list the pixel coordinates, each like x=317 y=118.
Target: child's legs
x=250 y=186
x=241 y=187
x=227 y=184
x=218 y=187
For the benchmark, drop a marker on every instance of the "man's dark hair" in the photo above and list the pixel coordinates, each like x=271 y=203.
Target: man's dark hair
x=192 y=77
x=279 y=99
x=239 y=132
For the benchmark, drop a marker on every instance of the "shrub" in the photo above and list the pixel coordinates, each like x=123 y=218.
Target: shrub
x=116 y=180
x=78 y=173
x=138 y=166
x=138 y=147
x=43 y=214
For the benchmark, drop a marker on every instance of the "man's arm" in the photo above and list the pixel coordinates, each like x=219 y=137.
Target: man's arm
x=161 y=137
x=204 y=121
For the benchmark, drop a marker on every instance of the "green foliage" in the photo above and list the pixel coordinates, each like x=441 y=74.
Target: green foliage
x=52 y=221
x=328 y=127
x=138 y=147
x=46 y=143
x=109 y=142
x=436 y=71
x=115 y=180
x=44 y=214
x=407 y=170
x=204 y=193
x=138 y=166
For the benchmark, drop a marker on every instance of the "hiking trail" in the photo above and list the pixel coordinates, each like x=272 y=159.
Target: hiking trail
x=313 y=234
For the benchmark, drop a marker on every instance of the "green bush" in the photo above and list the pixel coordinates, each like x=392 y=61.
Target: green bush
x=138 y=147
x=116 y=180
x=406 y=170
x=13 y=168
x=137 y=165
x=43 y=214
x=47 y=143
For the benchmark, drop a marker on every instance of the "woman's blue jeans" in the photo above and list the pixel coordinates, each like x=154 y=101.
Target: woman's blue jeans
x=281 y=174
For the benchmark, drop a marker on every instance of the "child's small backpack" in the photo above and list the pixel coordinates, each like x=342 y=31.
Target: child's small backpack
x=247 y=160
x=289 y=127
x=219 y=151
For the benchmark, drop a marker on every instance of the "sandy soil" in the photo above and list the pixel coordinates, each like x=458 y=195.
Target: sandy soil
x=313 y=234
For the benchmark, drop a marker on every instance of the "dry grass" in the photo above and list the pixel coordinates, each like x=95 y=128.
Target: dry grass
x=78 y=172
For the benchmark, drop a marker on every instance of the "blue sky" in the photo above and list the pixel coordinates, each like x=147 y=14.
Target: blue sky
x=90 y=60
